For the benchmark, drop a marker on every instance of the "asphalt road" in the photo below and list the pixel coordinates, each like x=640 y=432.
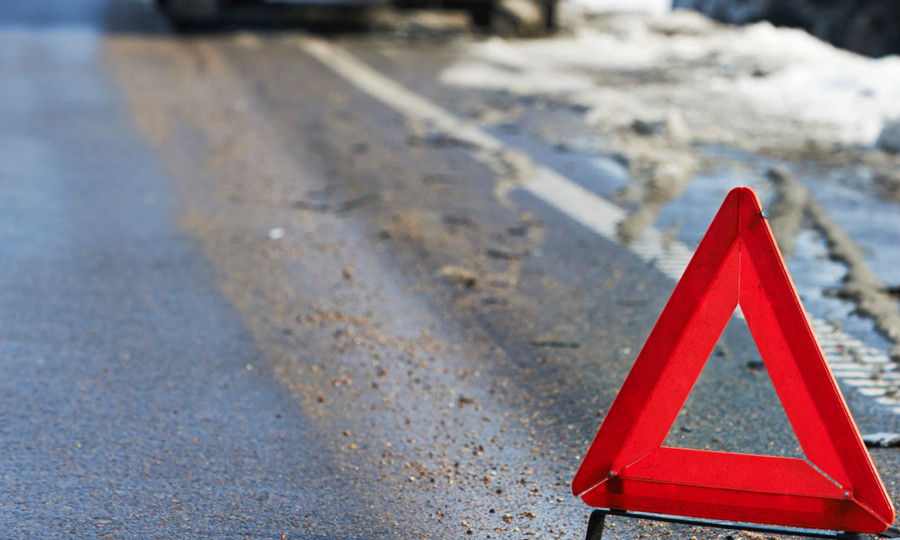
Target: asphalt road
x=244 y=298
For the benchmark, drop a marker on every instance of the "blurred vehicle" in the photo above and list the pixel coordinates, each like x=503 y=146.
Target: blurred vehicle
x=508 y=17
x=186 y=13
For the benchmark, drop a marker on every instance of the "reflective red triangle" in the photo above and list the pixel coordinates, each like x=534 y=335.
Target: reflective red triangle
x=626 y=467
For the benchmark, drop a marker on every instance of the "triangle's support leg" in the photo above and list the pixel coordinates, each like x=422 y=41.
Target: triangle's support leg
x=598 y=521
x=595 y=525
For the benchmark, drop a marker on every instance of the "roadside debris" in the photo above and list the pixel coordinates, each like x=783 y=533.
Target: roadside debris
x=756 y=365
x=555 y=344
x=457 y=275
x=504 y=254
x=322 y=207
x=882 y=440
x=889 y=140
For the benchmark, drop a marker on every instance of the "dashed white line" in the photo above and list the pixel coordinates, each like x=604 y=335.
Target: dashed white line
x=866 y=369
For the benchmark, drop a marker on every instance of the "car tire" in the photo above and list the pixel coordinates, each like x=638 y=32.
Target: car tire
x=193 y=14
x=515 y=18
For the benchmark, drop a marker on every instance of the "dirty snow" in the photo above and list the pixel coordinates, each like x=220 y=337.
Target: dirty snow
x=858 y=95
x=724 y=80
x=656 y=7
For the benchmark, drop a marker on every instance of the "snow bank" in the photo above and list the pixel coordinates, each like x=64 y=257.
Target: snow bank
x=778 y=71
x=856 y=94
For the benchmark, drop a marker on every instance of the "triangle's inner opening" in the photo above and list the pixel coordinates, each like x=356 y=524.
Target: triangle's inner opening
x=734 y=407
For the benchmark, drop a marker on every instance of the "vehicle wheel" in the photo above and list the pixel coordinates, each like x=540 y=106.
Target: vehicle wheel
x=482 y=13
x=515 y=18
x=192 y=14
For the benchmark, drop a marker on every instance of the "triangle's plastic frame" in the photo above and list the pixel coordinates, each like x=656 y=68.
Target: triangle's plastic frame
x=836 y=487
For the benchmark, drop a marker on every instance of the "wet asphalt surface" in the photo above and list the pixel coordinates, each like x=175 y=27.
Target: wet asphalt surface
x=243 y=300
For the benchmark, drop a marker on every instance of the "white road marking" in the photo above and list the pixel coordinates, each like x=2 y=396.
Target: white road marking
x=855 y=363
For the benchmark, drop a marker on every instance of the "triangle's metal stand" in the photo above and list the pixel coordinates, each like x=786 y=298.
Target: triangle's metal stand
x=598 y=520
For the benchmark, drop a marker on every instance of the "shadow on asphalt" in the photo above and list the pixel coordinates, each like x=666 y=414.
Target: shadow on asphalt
x=131 y=17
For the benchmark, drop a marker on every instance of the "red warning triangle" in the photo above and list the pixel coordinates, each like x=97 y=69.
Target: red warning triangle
x=836 y=487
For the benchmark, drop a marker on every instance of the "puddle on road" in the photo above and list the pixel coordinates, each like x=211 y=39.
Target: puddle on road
x=813 y=272
x=692 y=212
x=873 y=224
